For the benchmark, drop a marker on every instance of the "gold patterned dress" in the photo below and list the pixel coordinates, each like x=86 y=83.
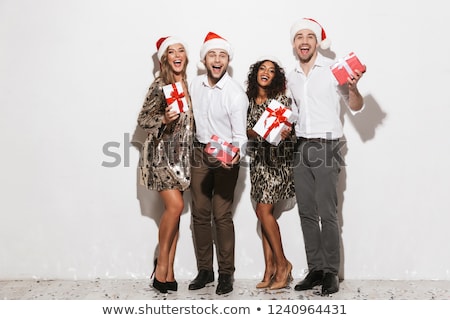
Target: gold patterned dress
x=271 y=167
x=166 y=153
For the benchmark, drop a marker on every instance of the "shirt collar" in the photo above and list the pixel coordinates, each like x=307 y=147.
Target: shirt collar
x=219 y=84
x=320 y=62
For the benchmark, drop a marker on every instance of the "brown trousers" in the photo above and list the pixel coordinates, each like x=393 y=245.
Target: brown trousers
x=212 y=192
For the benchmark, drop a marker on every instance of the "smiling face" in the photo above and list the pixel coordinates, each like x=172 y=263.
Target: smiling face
x=216 y=63
x=266 y=73
x=305 y=45
x=176 y=58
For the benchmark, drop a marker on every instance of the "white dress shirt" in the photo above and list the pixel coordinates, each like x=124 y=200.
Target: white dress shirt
x=220 y=110
x=317 y=97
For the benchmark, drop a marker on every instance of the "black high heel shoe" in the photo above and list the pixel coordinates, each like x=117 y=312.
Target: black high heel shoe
x=155 y=263
x=160 y=286
x=172 y=285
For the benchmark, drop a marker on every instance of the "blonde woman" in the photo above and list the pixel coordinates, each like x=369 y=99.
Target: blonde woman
x=165 y=157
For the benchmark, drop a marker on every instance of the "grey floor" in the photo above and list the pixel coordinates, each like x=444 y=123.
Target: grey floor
x=140 y=289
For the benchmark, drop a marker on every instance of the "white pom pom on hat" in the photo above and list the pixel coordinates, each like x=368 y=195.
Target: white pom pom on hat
x=214 y=41
x=313 y=25
x=163 y=43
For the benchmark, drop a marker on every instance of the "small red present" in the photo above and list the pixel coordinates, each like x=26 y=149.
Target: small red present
x=345 y=67
x=274 y=119
x=175 y=97
x=221 y=149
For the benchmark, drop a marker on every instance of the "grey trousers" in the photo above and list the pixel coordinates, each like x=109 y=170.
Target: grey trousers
x=316 y=171
x=212 y=191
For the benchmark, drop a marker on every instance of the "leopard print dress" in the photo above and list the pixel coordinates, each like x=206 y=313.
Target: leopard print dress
x=271 y=167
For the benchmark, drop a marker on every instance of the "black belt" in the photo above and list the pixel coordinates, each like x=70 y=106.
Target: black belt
x=199 y=144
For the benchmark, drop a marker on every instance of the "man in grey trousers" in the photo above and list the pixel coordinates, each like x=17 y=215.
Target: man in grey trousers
x=317 y=94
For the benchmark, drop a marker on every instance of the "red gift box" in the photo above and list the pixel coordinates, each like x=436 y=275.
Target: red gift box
x=175 y=97
x=221 y=149
x=274 y=119
x=345 y=67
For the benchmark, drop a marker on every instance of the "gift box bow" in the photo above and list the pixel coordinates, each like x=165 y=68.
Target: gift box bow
x=221 y=149
x=217 y=145
x=280 y=118
x=176 y=96
x=349 y=61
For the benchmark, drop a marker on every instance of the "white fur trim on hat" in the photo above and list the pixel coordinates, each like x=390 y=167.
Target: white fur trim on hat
x=271 y=58
x=214 y=41
x=163 y=43
x=314 y=26
x=201 y=65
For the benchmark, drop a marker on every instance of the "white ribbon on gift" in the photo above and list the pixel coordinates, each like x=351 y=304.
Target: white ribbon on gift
x=215 y=151
x=222 y=145
x=342 y=63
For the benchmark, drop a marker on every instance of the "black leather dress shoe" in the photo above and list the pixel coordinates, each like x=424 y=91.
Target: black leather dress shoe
x=225 y=284
x=312 y=279
x=330 y=283
x=202 y=279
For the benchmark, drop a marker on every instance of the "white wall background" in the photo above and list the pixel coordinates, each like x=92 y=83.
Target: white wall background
x=73 y=76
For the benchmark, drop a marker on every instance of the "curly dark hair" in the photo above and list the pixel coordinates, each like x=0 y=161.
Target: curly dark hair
x=277 y=86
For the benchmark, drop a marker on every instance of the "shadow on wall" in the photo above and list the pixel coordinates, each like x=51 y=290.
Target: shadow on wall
x=365 y=123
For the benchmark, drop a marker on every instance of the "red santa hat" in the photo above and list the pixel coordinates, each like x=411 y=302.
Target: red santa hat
x=214 y=41
x=163 y=43
x=313 y=25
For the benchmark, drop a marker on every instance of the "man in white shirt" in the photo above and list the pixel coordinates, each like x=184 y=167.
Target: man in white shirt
x=220 y=108
x=317 y=95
